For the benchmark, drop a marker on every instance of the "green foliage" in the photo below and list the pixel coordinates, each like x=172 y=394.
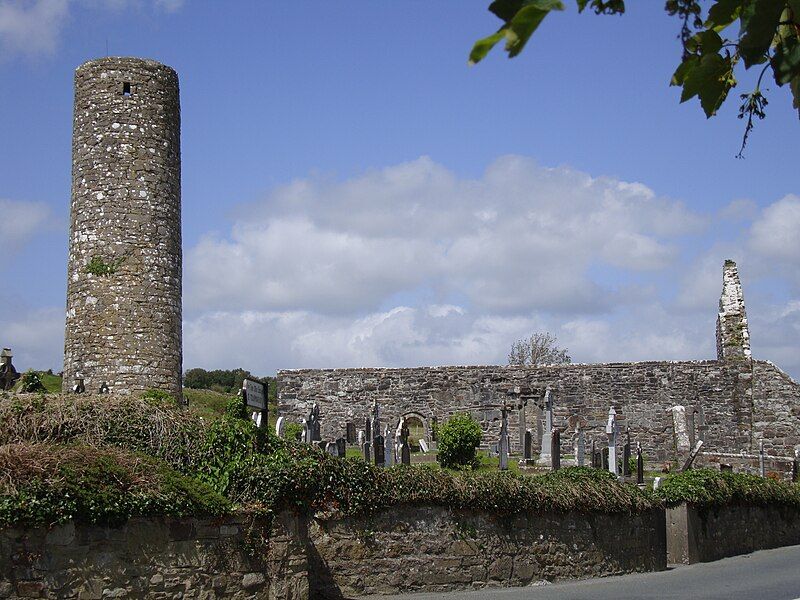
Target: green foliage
x=768 y=34
x=156 y=397
x=97 y=266
x=293 y=431
x=224 y=380
x=236 y=408
x=707 y=487
x=458 y=441
x=31 y=382
x=45 y=484
x=206 y=403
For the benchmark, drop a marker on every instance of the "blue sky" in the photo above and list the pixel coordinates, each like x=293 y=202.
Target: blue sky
x=397 y=207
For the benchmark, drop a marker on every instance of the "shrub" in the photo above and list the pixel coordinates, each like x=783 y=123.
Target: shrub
x=293 y=431
x=707 y=487
x=31 y=382
x=458 y=439
x=156 y=397
x=43 y=484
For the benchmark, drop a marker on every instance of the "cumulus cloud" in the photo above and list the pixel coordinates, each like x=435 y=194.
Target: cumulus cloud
x=34 y=27
x=35 y=336
x=775 y=233
x=21 y=220
x=520 y=238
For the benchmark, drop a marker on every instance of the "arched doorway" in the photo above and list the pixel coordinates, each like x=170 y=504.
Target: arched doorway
x=417 y=430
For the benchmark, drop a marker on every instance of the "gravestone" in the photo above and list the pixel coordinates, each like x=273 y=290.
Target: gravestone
x=379 y=451
x=762 y=469
x=313 y=424
x=504 y=441
x=79 y=387
x=361 y=438
x=405 y=451
x=547 y=434
x=639 y=464
x=555 y=451
x=434 y=429
x=604 y=459
x=423 y=445
x=494 y=450
x=692 y=456
x=528 y=446
x=725 y=468
x=341 y=447
x=368 y=429
x=626 y=456
x=681 y=432
x=597 y=461
x=332 y=449
x=366 y=451
x=376 y=421
x=388 y=450
x=612 y=431
x=350 y=429
x=580 y=448
x=104 y=389
x=794 y=469
x=306 y=432
x=279 y=426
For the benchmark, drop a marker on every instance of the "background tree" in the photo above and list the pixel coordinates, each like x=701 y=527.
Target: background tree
x=768 y=38
x=539 y=349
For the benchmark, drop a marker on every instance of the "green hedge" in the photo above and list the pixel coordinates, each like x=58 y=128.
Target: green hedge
x=43 y=484
x=707 y=487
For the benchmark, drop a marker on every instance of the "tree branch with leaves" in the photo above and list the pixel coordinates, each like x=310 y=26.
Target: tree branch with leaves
x=768 y=39
x=539 y=349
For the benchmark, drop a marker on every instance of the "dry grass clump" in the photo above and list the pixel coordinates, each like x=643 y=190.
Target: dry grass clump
x=159 y=429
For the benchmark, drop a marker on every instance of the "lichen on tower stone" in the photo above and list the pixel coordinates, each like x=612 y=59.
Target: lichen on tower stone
x=733 y=334
x=123 y=325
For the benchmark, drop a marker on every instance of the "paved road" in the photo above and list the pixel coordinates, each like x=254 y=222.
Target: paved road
x=764 y=575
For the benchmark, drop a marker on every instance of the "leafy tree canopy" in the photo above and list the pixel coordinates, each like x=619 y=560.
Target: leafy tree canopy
x=539 y=349
x=768 y=39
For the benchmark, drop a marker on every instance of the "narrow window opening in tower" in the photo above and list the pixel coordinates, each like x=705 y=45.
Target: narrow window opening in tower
x=126 y=88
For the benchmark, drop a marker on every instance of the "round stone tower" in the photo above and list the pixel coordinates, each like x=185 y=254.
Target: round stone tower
x=123 y=328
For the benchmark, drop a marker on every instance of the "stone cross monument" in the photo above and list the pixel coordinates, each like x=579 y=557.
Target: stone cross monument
x=733 y=333
x=123 y=323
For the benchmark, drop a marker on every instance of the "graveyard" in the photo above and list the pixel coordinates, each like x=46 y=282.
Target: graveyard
x=119 y=480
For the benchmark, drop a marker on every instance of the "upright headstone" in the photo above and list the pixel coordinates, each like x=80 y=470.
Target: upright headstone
x=341 y=447
x=547 y=434
x=332 y=449
x=580 y=448
x=612 y=430
x=388 y=449
x=423 y=445
x=350 y=428
x=528 y=454
x=379 y=451
x=405 y=450
x=680 y=430
x=104 y=389
x=626 y=455
x=639 y=464
x=376 y=421
x=279 y=424
x=604 y=459
x=368 y=429
x=555 y=451
x=366 y=451
x=597 y=461
x=313 y=424
x=361 y=438
x=762 y=468
x=306 y=432
x=504 y=441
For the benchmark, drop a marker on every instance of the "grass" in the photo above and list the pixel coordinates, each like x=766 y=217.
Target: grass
x=206 y=403
x=51 y=382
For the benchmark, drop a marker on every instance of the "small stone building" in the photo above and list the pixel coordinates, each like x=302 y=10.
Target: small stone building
x=734 y=403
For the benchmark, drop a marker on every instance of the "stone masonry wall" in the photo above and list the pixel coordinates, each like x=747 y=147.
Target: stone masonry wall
x=123 y=326
x=733 y=332
x=717 y=396
x=399 y=549
x=430 y=549
x=157 y=558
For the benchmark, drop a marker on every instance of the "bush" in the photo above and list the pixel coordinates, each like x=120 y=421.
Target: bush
x=293 y=431
x=458 y=440
x=708 y=487
x=44 y=484
x=31 y=382
x=156 y=397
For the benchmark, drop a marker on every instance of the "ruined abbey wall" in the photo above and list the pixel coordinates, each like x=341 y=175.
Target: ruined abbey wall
x=730 y=404
x=123 y=325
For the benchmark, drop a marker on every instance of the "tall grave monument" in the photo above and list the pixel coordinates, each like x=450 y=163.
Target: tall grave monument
x=123 y=326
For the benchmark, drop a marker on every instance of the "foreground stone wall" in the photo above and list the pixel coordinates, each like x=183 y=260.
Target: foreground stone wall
x=435 y=549
x=403 y=548
x=161 y=558
x=730 y=404
x=706 y=534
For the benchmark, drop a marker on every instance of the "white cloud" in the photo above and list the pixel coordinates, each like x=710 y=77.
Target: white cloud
x=20 y=221
x=520 y=238
x=34 y=27
x=775 y=233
